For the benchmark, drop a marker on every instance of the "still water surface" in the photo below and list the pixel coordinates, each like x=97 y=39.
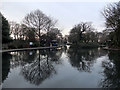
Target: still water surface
x=66 y=68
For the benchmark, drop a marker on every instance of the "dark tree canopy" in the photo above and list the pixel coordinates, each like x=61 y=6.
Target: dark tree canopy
x=112 y=17
x=77 y=33
x=5 y=31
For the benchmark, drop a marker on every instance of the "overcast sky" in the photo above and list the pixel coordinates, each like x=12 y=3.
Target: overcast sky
x=67 y=13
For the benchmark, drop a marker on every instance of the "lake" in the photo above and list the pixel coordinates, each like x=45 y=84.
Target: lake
x=63 y=68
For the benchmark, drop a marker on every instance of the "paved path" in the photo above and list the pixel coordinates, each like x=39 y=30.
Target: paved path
x=22 y=49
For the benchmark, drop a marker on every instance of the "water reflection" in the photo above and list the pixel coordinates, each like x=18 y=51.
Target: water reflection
x=39 y=65
x=36 y=65
x=111 y=70
x=21 y=58
x=42 y=67
x=5 y=65
x=84 y=59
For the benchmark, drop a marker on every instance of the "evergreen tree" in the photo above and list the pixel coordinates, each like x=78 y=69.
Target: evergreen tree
x=5 y=31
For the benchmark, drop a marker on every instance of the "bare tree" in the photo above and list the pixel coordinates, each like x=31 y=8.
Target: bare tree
x=24 y=31
x=112 y=16
x=50 y=24
x=14 y=29
x=39 y=21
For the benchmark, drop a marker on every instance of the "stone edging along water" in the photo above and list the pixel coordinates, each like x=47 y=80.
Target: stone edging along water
x=106 y=48
x=23 y=49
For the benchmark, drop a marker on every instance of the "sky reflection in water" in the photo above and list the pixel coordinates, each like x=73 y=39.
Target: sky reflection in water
x=67 y=68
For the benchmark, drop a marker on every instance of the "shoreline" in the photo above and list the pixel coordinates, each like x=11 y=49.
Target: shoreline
x=24 y=49
x=115 y=49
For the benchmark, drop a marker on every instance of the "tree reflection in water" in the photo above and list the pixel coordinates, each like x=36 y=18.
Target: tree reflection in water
x=5 y=65
x=83 y=59
x=42 y=67
x=36 y=65
x=22 y=57
x=111 y=70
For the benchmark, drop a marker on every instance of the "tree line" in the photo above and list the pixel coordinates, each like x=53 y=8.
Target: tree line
x=36 y=27
x=40 y=28
x=83 y=34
